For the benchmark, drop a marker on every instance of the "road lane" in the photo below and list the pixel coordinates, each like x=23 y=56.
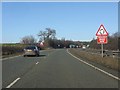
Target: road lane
x=13 y=68
x=112 y=71
x=61 y=70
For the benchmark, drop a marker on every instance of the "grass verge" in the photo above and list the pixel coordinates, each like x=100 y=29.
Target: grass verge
x=109 y=62
x=11 y=55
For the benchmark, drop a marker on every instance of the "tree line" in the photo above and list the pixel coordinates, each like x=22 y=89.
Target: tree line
x=113 y=42
x=48 y=39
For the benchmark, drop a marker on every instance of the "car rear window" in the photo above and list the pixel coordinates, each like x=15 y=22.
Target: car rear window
x=30 y=47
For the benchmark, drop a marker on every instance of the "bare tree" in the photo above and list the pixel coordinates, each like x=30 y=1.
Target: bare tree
x=28 y=40
x=42 y=35
x=48 y=34
x=117 y=34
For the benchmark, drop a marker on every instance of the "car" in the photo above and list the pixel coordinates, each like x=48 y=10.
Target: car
x=84 y=47
x=31 y=50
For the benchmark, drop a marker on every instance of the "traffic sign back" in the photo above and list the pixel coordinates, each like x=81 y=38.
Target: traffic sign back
x=102 y=31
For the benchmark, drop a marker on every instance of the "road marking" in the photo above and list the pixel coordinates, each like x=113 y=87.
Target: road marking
x=37 y=62
x=13 y=83
x=109 y=74
x=10 y=57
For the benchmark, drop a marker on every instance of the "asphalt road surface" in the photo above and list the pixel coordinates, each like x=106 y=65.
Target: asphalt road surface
x=52 y=69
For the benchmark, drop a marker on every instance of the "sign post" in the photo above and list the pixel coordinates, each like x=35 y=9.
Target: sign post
x=102 y=49
x=102 y=37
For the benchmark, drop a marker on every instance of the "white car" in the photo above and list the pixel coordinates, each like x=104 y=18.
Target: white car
x=83 y=47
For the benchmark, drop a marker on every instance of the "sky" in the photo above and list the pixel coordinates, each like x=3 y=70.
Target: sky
x=77 y=21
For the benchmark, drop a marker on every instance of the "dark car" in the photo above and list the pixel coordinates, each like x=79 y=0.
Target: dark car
x=31 y=50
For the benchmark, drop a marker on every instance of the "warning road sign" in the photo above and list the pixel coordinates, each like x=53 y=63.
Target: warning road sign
x=102 y=37
x=102 y=31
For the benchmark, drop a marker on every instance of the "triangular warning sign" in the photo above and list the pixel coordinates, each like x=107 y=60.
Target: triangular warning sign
x=102 y=31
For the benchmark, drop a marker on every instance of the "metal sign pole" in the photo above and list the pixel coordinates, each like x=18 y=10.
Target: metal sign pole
x=102 y=49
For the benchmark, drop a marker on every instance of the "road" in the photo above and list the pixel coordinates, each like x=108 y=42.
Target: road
x=53 y=69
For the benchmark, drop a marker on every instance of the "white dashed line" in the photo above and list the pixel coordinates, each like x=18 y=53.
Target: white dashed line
x=37 y=62
x=109 y=74
x=13 y=83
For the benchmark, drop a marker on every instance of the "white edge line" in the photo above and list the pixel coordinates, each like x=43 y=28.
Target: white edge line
x=109 y=74
x=10 y=57
x=13 y=83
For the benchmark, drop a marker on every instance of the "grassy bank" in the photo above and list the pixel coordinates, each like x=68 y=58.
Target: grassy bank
x=12 y=49
x=8 y=50
x=105 y=61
